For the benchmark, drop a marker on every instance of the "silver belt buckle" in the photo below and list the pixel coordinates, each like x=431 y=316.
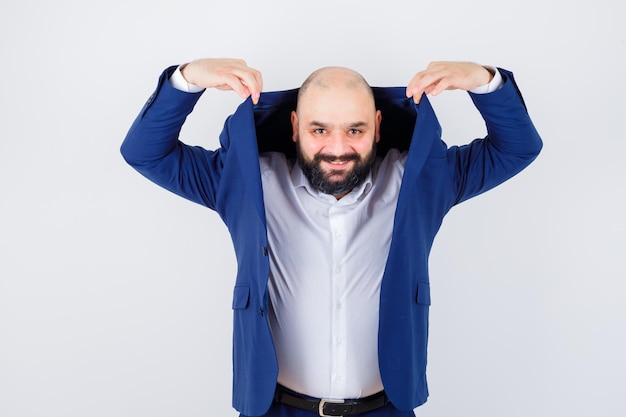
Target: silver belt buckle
x=324 y=402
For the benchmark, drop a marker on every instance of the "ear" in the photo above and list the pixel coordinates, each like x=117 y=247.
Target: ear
x=294 y=126
x=379 y=118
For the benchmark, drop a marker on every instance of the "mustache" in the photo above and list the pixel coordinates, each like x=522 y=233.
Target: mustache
x=331 y=158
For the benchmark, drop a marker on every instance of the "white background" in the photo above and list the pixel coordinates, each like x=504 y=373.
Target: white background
x=115 y=295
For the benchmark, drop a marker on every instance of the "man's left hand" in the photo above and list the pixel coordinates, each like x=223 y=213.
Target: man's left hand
x=442 y=75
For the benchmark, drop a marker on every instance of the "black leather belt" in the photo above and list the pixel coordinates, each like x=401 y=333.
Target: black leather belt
x=326 y=407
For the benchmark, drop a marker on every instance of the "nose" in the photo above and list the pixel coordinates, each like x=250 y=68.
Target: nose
x=338 y=144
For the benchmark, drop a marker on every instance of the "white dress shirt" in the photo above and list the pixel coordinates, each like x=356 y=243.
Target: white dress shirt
x=327 y=259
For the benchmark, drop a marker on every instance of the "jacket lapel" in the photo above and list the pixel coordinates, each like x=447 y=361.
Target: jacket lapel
x=244 y=144
x=426 y=131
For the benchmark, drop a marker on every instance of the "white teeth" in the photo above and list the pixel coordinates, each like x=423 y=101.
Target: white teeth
x=338 y=162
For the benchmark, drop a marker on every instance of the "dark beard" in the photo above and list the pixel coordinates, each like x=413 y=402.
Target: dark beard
x=320 y=180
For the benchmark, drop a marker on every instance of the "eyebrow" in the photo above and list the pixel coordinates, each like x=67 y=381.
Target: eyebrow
x=354 y=125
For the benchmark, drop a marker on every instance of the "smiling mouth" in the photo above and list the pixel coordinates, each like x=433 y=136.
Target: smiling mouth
x=339 y=163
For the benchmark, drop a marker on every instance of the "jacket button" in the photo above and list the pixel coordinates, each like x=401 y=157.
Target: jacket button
x=261 y=312
x=264 y=250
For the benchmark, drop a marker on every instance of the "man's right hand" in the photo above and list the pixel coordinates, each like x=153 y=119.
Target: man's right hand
x=225 y=74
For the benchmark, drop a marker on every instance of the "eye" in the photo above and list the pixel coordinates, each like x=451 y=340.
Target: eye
x=354 y=131
x=319 y=131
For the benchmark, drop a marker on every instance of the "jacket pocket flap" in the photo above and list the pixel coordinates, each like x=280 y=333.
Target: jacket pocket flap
x=423 y=293
x=241 y=297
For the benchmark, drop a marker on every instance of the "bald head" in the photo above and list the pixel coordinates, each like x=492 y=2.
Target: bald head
x=328 y=78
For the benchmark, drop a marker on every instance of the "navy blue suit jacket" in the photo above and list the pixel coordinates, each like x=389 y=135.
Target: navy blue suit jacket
x=228 y=180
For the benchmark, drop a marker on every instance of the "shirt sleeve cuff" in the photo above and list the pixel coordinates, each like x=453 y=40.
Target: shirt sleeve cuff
x=493 y=85
x=178 y=82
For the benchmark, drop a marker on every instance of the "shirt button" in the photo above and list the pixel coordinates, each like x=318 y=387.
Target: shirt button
x=338 y=269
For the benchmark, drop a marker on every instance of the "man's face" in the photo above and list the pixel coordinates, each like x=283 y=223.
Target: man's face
x=336 y=129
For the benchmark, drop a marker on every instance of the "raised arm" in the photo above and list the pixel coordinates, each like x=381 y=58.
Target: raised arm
x=511 y=143
x=152 y=146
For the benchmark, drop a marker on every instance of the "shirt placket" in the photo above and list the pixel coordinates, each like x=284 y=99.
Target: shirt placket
x=339 y=342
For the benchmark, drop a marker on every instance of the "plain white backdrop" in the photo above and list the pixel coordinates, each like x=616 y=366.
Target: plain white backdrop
x=115 y=295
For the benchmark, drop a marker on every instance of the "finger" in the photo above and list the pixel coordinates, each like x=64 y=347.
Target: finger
x=252 y=80
x=423 y=82
x=415 y=87
x=232 y=82
x=438 y=87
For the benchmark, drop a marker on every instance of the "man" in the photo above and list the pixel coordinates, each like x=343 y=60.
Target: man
x=333 y=194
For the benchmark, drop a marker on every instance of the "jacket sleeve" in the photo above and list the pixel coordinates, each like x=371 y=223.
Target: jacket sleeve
x=152 y=146
x=511 y=144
